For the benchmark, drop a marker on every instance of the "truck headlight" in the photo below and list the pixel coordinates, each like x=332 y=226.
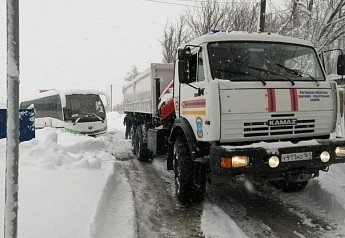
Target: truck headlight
x=325 y=156
x=240 y=161
x=340 y=151
x=273 y=161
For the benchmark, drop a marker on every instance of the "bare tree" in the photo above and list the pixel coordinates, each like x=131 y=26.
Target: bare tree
x=320 y=21
x=242 y=16
x=132 y=73
x=174 y=36
x=206 y=16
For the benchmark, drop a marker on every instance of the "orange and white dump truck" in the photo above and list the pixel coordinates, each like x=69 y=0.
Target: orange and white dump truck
x=238 y=104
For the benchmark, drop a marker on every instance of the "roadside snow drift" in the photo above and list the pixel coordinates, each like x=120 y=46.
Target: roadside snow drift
x=59 y=187
x=216 y=223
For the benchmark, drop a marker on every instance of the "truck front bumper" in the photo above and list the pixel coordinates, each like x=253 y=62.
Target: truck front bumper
x=259 y=154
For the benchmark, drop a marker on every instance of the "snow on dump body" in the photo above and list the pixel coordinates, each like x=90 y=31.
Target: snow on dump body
x=272 y=147
x=248 y=36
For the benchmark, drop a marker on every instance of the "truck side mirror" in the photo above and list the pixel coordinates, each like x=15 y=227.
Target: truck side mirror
x=184 y=54
x=341 y=65
x=183 y=71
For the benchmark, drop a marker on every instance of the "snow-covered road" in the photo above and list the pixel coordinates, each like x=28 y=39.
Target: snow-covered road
x=249 y=210
x=78 y=186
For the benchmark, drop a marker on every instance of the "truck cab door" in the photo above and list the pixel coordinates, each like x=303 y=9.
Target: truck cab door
x=190 y=95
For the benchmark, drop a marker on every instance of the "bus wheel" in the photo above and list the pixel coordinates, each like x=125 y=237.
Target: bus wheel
x=190 y=181
x=141 y=150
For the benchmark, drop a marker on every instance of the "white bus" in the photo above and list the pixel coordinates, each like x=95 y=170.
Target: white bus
x=79 y=112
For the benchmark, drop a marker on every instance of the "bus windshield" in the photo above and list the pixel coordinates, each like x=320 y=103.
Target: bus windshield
x=79 y=105
x=264 y=61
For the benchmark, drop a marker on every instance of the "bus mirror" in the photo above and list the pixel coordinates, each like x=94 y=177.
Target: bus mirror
x=341 y=65
x=183 y=71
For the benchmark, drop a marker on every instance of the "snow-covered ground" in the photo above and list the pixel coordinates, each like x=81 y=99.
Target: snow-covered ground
x=62 y=183
x=76 y=186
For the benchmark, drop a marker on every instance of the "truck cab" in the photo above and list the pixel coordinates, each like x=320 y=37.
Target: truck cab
x=253 y=104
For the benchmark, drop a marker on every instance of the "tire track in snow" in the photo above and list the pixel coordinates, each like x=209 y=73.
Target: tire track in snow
x=159 y=214
x=261 y=215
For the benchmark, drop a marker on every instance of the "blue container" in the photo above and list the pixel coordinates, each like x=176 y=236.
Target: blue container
x=26 y=124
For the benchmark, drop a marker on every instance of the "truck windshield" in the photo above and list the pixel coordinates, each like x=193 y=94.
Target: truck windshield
x=244 y=61
x=79 y=105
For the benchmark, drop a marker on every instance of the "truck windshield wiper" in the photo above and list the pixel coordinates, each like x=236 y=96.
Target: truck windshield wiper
x=272 y=72
x=316 y=81
x=298 y=73
x=245 y=73
x=290 y=70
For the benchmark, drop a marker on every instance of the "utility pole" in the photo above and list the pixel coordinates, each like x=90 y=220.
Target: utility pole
x=262 y=16
x=12 y=143
x=111 y=97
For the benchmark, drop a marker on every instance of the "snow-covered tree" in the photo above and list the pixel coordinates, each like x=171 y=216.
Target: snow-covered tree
x=320 y=21
x=132 y=73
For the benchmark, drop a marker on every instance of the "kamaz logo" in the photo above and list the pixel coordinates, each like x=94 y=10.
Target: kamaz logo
x=282 y=122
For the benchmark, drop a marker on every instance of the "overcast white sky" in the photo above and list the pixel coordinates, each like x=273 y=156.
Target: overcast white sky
x=88 y=44
x=84 y=43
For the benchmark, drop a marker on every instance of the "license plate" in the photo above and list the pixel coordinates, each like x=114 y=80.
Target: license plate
x=297 y=156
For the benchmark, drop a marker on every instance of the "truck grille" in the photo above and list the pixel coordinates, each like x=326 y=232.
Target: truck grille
x=255 y=129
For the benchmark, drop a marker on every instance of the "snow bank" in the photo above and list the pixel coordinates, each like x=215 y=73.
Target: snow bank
x=61 y=178
x=47 y=153
x=216 y=223
x=115 y=214
x=58 y=203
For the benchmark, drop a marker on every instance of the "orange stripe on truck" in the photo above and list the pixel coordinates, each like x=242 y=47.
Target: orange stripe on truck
x=200 y=113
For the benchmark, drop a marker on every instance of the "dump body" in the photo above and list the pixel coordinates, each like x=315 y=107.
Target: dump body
x=140 y=94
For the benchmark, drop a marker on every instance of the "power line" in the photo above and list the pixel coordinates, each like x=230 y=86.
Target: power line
x=194 y=1
x=205 y=1
x=171 y=3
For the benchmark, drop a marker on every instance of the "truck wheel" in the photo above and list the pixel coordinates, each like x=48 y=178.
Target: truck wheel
x=290 y=187
x=133 y=137
x=141 y=150
x=190 y=179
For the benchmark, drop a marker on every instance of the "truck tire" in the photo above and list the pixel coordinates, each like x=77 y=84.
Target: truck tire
x=133 y=137
x=290 y=187
x=141 y=150
x=190 y=181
